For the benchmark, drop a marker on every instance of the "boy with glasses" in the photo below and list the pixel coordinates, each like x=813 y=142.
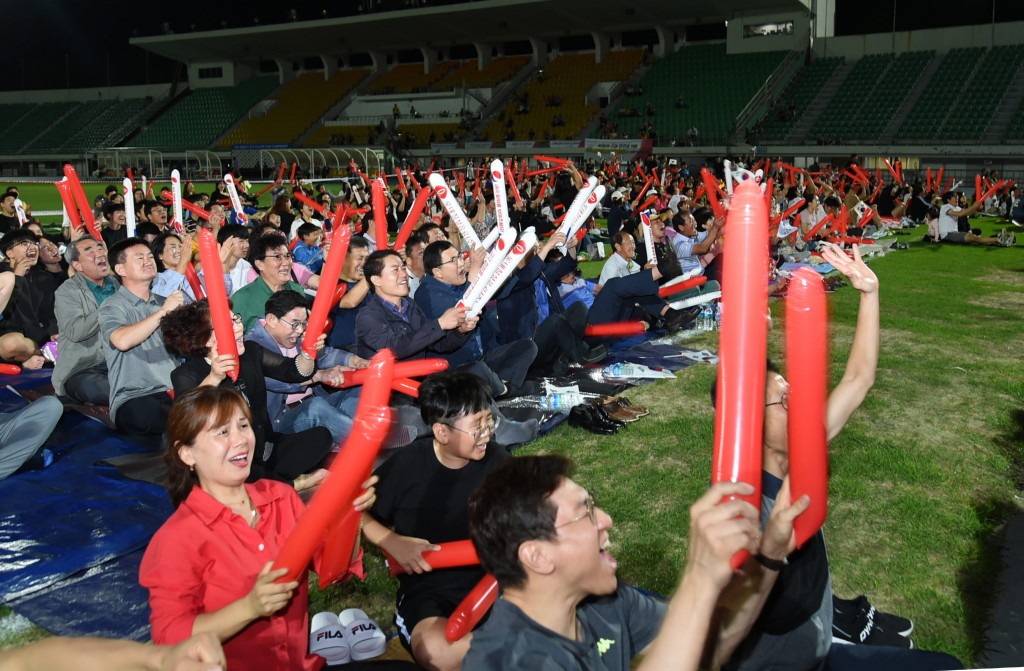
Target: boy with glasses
x=29 y=319
x=422 y=499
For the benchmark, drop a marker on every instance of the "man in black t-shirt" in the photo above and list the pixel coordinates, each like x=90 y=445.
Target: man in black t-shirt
x=423 y=499
x=8 y=214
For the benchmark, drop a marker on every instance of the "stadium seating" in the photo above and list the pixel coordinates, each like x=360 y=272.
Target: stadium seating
x=569 y=77
x=101 y=131
x=926 y=117
x=199 y=118
x=58 y=134
x=409 y=78
x=715 y=85
x=497 y=71
x=28 y=126
x=799 y=93
x=1015 y=132
x=972 y=110
x=858 y=91
x=326 y=136
x=299 y=104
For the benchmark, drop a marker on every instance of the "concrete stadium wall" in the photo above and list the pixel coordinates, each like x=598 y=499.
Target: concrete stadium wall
x=84 y=95
x=941 y=40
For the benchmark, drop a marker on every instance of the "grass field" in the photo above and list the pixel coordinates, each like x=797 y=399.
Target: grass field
x=922 y=477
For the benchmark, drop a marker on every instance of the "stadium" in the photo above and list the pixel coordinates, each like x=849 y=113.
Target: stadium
x=906 y=115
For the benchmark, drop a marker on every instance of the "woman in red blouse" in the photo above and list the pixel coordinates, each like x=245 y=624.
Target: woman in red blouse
x=207 y=568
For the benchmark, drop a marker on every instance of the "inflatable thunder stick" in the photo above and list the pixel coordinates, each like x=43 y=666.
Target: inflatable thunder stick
x=490 y=285
x=451 y=555
x=347 y=475
x=683 y=284
x=78 y=193
x=645 y=224
x=404 y=369
x=64 y=188
x=178 y=215
x=510 y=177
x=411 y=219
x=236 y=202
x=436 y=181
x=193 y=281
x=472 y=609
x=615 y=329
x=743 y=347
x=324 y=300
x=129 y=207
x=580 y=217
x=711 y=190
x=217 y=294
x=380 y=215
x=807 y=363
x=9 y=369
x=500 y=199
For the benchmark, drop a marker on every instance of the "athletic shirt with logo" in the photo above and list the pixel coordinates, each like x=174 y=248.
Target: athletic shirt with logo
x=615 y=628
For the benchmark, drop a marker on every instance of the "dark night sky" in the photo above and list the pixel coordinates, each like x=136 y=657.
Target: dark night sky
x=51 y=43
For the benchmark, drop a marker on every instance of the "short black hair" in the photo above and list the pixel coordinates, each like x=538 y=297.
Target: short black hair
x=258 y=249
x=306 y=229
x=433 y=254
x=358 y=242
x=512 y=507
x=425 y=229
x=144 y=228
x=284 y=301
x=415 y=238
x=833 y=202
x=232 y=231
x=374 y=267
x=448 y=395
x=150 y=205
x=119 y=252
x=16 y=236
x=110 y=208
x=158 y=248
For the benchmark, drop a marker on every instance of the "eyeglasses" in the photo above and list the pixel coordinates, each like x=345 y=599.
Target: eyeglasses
x=280 y=257
x=485 y=430
x=783 y=401
x=451 y=260
x=295 y=326
x=590 y=512
x=237 y=318
x=26 y=243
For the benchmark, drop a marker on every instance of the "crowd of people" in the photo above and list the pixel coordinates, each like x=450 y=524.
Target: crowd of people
x=123 y=326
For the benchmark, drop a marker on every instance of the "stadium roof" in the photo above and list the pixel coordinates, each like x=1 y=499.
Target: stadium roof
x=488 y=21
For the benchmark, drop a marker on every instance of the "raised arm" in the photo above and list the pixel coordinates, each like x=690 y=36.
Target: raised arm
x=859 y=376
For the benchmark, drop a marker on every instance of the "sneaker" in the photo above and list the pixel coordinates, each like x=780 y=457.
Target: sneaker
x=1002 y=237
x=1011 y=240
x=846 y=612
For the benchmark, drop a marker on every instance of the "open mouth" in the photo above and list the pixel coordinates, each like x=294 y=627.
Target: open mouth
x=606 y=556
x=240 y=460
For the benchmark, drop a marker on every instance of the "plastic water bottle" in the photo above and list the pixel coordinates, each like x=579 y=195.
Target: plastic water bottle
x=561 y=401
x=717 y=318
x=708 y=317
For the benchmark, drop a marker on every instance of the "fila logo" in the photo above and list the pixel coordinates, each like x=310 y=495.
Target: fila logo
x=363 y=627
x=329 y=634
x=442 y=192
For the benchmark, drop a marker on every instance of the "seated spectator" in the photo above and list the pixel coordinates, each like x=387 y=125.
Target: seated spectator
x=172 y=253
x=305 y=217
x=665 y=256
x=116 y=229
x=8 y=214
x=80 y=372
x=948 y=231
x=308 y=251
x=28 y=319
x=298 y=457
x=293 y=407
x=692 y=246
x=423 y=500
x=631 y=293
x=233 y=240
x=343 y=333
x=50 y=260
x=139 y=364
x=543 y=538
x=443 y=286
x=156 y=214
x=207 y=568
x=270 y=256
x=414 y=260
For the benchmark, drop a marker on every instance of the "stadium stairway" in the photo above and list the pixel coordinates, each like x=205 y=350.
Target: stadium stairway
x=814 y=111
x=912 y=97
x=1011 y=102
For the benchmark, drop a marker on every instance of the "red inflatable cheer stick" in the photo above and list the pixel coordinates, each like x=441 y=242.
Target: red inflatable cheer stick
x=193 y=281
x=510 y=177
x=540 y=158
x=348 y=473
x=414 y=368
x=75 y=186
x=824 y=222
x=339 y=293
x=295 y=167
x=615 y=329
x=324 y=300
x=472 y=609
x=64 y=188
x=807 y=364
x=743 y=346
x=679 y=287
x=411 y=219
x=380 y=215
x=217 y=293
x=9 y=369
x=451 y=555
x=313 y=205
x=401 y=182
x=711 y=189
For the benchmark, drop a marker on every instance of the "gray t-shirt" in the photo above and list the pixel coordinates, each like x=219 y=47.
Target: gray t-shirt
x=615 y=628
x=144 y=369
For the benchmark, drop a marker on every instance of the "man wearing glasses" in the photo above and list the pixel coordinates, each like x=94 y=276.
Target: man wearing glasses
x=546 y=542
x=422 y=499
x=273 y=262
x=29 y=320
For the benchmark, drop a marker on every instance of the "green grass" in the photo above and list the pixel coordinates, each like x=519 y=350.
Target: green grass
x=922 y=477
